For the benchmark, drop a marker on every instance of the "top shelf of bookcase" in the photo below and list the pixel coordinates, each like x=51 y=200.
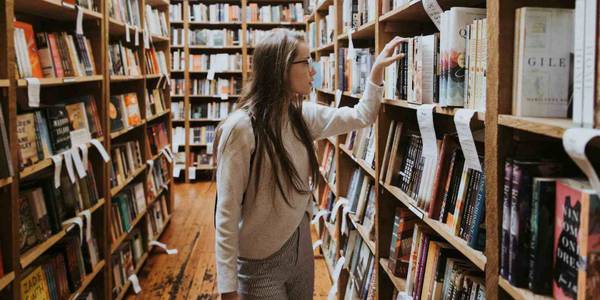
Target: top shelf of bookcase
x=53 y=9
x=551 y=127
x=155 y=3
x=364 y=32
x=415 y=12
x=450 y=111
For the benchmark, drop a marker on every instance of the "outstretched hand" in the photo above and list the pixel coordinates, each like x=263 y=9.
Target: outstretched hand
x=386 y=58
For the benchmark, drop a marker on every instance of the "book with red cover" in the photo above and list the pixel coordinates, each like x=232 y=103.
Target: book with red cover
x=36 y=67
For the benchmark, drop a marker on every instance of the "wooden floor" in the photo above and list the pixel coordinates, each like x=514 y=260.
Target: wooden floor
x=190 y=274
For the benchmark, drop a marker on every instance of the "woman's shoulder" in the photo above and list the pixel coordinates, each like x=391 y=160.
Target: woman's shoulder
x=237 y=125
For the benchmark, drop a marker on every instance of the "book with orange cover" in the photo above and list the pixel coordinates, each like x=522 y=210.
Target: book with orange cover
x=36 y=67
x=133 y=109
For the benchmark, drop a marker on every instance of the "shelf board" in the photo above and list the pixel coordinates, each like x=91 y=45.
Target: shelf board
x=358 y=161
x=398 y=282
x=125 y=235
x=115 y=190
x=476 y=257
x=450 y=111
x=519 y=293
x=41 y=165
x=206 y=120
x=123 y=78
x=405 y=199
x=153 y=76
x=176 y=46
x=116 y=134
x=205 y=168
x=158 y=116
x=218 y=72
x=54 y=9
x=159 y=39
x=275 y=24
x=331 y=186
x=324 y=91
x=364 y=32
x=4 y=83
x=215 y=47
x=6 y=280
x=213 y=96
x=332 y=140
x=364 y=234
x=355 y=96
x=117 y=27
x=155 y=3
x=323 y=6
x=5 y=181
x=551 y=127
x=215 y=24
x=326 y=48
x=413 y=11
x=177 y=96
x=88 y=280
x=62 y=80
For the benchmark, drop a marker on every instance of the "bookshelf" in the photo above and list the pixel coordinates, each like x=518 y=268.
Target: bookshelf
x=497 y=128
x=102 y=31
x=187 y=147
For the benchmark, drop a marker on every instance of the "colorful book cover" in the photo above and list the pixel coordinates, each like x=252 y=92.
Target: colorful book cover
x=34 y=59
x=133 y=109
x=35 y=285
x=26 y=135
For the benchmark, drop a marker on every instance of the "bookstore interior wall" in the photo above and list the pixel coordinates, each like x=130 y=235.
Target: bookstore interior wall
x=85 y=155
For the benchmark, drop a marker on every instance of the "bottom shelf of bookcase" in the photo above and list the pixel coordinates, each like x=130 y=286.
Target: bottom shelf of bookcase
x=519 y=293
x=398 y=282
x=6 y=280
x=88 y=280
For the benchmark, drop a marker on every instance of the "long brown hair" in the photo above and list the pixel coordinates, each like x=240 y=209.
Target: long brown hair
x=270 y=103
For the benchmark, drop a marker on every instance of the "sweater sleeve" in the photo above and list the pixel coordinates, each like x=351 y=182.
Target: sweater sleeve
x=325 y=121
x=234 y=151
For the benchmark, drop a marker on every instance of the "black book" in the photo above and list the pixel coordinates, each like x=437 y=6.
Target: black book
x=58 y=128
x=115 y=114
x=542 y=235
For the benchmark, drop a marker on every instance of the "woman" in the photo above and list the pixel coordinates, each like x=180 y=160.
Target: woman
x=267 y=166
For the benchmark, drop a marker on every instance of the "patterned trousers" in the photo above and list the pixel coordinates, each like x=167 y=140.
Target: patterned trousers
x=286 y=274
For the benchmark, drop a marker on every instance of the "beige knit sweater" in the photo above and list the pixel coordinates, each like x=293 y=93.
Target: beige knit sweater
x=264 y=222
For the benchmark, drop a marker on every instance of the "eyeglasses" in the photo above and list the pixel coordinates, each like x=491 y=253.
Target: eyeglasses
x=307 y=61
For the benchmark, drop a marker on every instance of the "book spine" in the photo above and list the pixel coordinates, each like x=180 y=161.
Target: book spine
x=542 y=236
x=505 y=235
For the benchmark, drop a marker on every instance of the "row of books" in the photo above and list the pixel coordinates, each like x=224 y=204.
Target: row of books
x=156 y=62
x=356 y=13
x=325 y=77
x=328 y=165
x=157 y=179
x=157 y=137
x=329 y=247
x=178 y=110
x=123 y=60
x=6 y=165
x=219 y=12
x=327 y=27
x=354 y=73
x=219 y=86
x=178 y=134
x=125 y=112
x=389 y=5
x=178 y=87
x=56 y=128
x=156 y=22
x=446 y=190
x=127 y=158
x=203 y=135
x=361 y=198
x=253 y=36
x=177 y=37
x=214 y=37
x=544 y=215
x=87 y=4
x=51 y=54
x=156 y=218
x=176 y=12
x=125 y=207
x=60 y=272
x=200 y=158
x=212 y=110
x=435 y=270
x=125 y=259
x=177 y=60
x=362 y=144
x=215 y=62
x=311 y=36
x=126 y=11
x=155 y=102
x=43 y=208
x=293 y=12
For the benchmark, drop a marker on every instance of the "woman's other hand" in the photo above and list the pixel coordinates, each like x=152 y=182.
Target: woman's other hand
x=386 y=58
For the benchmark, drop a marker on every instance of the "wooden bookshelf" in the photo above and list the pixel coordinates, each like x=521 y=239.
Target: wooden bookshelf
x=399 y=283
x=519 y=293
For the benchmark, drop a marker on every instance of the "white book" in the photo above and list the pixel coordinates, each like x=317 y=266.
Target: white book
x=427 y=68
x=542 y=62
x=589 y=62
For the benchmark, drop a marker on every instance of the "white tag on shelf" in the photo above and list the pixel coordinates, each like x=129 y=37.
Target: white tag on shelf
x=345 y=219
x=425 y=120
x=80 y=136
x=58 y=160
x=101 y=149
x=76 y=221
x=69 y=165
x=136 y=37
x=127 y=33
x=338 y=268
x=332 y=292
x=224 y=96
x=462 y=121
x=164 y=247
x=192 y=173
x=403 y=296
x=88 y=222
x=177 y=170
x=68 y=5
x=338 y=97
x=351 y=51
x=211 y=74
x=340 y=202
x=433 y=9
x=33 y=91
x=84 y=155
x=170 y=152
x=79 y=21
x=81 y=172
x=135 y=283
x=167 y=155
x=316 y=244
x=574 y=141
x=319 y=215
x=150 y=163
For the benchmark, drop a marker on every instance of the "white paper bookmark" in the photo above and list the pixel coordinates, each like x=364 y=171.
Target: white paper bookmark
x=338 y=97
x=69 y=165
x=574 y=142
x=425 y=120
x=319 y=215
x=224 y=96
x=79 y=21
x=57 y=159
x=345 y=219
x=192 y=173
x=136 y=37
x=171 y=152
x=316 y=244
x=462 y=121
x=101 y=149
x=338 y=268
x=433 y=9
x=211 y=74
x=340 y=202
x=150 y=163
x=68 y=5
x=135 y=283
x=177 y=170
x=33 y=91
x=127 y=33
x=351 y=51
x=76 y=221
x=88 y=221
x=164 y=247
x=167 y=156
x=81 y=171
x=403 y=296
x=332 y=292
x=84 y=155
